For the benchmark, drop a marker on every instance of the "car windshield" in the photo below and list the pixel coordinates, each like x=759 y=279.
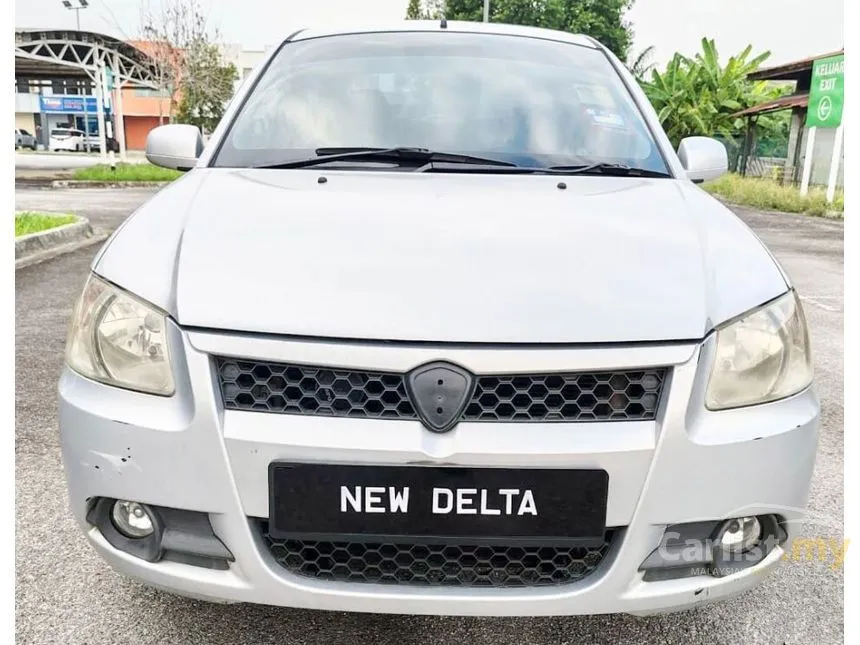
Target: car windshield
x=529 y=101
x=25 y=133
x=59 y=133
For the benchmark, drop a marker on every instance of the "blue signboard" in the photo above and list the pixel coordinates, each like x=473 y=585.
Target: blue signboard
x=67 y=104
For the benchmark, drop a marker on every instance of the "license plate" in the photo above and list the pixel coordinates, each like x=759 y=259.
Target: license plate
x=483 y=505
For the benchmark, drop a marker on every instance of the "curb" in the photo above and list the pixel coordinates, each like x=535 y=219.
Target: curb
x=34 y=182
x=80 y=183
x=44 y=245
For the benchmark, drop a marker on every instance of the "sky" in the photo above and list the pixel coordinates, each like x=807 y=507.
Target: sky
x=789 y=29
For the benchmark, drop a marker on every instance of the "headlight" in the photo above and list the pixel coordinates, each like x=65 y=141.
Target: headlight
x=119 y=340
x=762 y=357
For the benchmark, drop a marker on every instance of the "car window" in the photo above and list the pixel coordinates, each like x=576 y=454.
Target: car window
x=529 y=100
x=24 y=132
x=60 y=133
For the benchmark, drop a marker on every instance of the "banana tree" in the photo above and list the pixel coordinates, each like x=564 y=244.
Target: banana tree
x=642 y=64
x=699 y=96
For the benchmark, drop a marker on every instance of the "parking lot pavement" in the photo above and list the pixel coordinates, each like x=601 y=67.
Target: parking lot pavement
x=106 y=208
x=65 y=594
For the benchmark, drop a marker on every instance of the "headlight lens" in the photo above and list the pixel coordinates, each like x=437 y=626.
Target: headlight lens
x=762 y=357
x=119 y=340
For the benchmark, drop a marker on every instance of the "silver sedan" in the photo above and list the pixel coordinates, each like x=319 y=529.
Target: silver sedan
x=439 y=322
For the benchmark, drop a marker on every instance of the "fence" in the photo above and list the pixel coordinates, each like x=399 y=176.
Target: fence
x=769 y=158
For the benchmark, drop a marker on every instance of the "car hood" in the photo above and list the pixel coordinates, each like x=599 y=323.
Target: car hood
x=446 y=258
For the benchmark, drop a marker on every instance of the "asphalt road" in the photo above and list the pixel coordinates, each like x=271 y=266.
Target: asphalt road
x=65 y=594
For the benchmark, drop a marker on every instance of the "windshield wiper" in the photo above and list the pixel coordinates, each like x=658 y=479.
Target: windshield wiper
x=401 y=155
x=424 y=160
x=612 y=169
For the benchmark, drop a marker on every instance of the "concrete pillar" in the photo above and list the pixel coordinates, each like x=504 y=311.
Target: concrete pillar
x=100 y=108
x=120 y=119
x=44 y=130
x=795 y=132
x=100 y=113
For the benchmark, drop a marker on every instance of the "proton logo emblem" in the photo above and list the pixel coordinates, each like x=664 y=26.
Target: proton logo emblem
x=439 y=393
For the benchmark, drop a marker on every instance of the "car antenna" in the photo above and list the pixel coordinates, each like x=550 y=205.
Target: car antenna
x=443 y=23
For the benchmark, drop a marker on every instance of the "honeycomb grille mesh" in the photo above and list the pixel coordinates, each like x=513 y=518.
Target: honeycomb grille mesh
x=299 y=389
x=569 y=397
x=436 y=565
x=599 y=396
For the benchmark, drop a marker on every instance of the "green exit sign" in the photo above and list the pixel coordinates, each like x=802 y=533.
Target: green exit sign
x=827 y=92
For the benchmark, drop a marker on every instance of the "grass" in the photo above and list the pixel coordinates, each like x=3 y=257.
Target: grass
x=126 y=172
x=767 y=194
x=31 y=222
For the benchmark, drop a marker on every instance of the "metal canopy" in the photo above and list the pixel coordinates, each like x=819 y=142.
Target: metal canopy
x=793 y=71
x=45 y=52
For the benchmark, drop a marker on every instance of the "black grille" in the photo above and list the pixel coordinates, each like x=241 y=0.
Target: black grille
x=599 y=396
x=571 y=397
x=299 y=389
x=437 y=564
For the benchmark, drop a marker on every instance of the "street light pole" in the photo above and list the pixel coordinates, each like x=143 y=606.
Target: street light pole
x=486 y=10
x=77 y=5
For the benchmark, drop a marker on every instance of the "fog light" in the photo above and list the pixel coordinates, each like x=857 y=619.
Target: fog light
x=131 y=519
x=739 y=534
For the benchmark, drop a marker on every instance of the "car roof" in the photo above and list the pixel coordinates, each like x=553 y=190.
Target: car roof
x=452 y=26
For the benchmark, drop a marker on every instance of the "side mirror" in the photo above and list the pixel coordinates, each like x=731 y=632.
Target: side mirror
x=176 y=145
x=703 y=158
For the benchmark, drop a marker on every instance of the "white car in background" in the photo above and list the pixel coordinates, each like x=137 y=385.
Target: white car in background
x=66 y=139
x=24 y=139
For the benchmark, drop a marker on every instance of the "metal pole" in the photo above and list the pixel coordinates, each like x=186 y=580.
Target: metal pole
x=78 y=17
x=486 y=10
x=834 y=163
x=807 y=162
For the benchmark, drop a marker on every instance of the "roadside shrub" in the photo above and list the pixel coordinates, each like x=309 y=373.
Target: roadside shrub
x=29 y=222
x=766 y=194
x=126 y=172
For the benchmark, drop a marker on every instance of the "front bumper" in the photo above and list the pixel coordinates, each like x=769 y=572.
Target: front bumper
x=187 y=452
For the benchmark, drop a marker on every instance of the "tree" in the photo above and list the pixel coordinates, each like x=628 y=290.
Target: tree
x=425 y=9
x=206 y=87
x=603 y=19
x=185 y=57
x=166 y=31
x=643 y=64
x=699 y=96
x=414 y=10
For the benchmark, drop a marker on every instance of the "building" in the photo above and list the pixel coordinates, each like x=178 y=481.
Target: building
x=55 y=84
x=76 y=79
x=800 y=73
x=148 y=108
x=244 y=60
